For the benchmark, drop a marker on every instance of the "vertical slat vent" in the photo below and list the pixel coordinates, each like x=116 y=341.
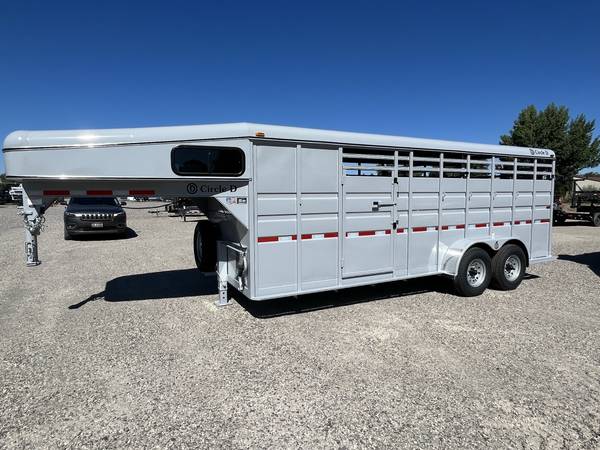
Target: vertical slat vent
x=368 y=163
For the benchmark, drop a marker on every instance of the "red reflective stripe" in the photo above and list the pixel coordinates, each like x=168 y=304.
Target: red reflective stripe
x=268 y=239
x=418 y=229
x=400 y=230
x=517 y=222
x=528 y=221
x=57 y=193
x=141 y=192
x=480 y=225
x=545 y=221
x=460 y=227
x=366 y=233
x=444 y=227
x=99 y=193
x=332 y=234
x=294 y=237
x=498 y=224
x=361 y=233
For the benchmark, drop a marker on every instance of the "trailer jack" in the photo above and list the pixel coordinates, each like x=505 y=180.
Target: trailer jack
x=222 y=274
x=230 y=256
x=33 y=219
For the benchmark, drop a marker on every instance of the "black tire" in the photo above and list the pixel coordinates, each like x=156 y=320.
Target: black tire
x=469 y=283
x=205 y=246
x=68 y=236
x=596 y=219
x=508 y=267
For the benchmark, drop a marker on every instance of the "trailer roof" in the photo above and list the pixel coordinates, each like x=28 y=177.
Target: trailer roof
x=124 y=136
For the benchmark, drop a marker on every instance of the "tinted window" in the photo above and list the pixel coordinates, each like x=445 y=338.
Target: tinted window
x=109 y=201
x=207 y=161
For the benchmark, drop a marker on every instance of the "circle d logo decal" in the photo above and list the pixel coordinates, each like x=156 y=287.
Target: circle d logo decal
x=192 y=188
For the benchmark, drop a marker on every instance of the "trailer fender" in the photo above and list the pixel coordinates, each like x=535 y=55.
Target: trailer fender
x=455 y=252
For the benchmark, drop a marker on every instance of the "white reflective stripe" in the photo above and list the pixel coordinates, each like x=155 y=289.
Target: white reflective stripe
x=318 y=236
x=379 y=233
x=431 y=228
x=285 y=238
x=352 y=234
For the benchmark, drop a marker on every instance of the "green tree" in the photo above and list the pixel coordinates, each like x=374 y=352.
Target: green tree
x=571 y=139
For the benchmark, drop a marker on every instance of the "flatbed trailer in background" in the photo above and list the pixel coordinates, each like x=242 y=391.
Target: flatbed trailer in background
x=584 y=205
x=293 y=210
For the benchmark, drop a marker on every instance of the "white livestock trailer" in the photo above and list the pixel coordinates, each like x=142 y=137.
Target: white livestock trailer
x=294 y=210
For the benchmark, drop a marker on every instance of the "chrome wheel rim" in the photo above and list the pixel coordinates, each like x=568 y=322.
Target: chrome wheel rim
x=512 y=268
x=476 y=272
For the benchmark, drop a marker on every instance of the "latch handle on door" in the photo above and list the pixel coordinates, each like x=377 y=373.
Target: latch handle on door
x=379 y=205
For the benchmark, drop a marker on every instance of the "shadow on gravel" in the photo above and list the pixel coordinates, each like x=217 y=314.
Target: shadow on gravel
x=592 y=260
x=333 y=299
x=192 y=283
x=155 y=285
x=129 y=234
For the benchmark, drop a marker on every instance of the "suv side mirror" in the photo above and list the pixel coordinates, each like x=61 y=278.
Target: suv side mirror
x=123 y=203
x=63 y=202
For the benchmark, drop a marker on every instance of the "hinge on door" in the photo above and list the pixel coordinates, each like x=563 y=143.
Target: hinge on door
x=342 y=265
x=395 y=180
x=394 y=225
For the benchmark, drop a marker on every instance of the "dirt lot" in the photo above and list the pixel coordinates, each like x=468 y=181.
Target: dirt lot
x=114 y=343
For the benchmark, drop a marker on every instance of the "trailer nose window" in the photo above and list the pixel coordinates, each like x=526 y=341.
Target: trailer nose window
x=207 y=161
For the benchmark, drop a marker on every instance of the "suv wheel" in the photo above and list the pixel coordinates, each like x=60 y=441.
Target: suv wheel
x=474 y=273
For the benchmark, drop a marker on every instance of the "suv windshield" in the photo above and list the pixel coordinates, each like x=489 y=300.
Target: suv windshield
x=108 y=201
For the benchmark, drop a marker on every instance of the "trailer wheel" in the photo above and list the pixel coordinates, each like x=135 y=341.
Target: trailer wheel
x=474 y=273
x=596 y=219
x=205 y=246
x=508 y=267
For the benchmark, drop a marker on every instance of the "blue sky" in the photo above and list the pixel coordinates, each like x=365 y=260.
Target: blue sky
x=452 y=70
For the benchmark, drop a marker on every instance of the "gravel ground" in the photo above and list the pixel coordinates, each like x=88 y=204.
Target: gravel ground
x=117 y=343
